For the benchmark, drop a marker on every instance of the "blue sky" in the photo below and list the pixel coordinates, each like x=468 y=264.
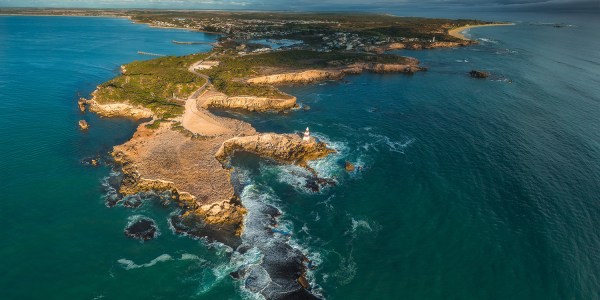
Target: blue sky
x=309 y=4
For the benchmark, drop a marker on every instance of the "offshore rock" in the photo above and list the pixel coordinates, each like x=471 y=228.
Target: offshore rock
x=144 y=229
x=349 y=167
x=479 y=74
x=81 y=103
x=83 y=125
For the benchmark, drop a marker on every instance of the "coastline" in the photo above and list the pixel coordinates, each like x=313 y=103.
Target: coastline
x=458 y=32
x=188 y=156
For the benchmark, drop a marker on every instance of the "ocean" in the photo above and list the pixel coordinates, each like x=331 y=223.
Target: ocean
x=468 y=188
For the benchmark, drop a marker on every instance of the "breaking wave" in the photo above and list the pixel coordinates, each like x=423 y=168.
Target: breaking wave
x=490 y=41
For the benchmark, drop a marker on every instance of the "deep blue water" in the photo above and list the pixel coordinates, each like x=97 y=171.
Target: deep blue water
x=470 y=189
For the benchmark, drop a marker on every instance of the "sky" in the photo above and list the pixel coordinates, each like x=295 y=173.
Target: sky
x=558 y=5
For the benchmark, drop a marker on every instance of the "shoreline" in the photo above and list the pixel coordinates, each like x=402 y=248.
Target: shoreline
x=458 y=32
x=189 y=156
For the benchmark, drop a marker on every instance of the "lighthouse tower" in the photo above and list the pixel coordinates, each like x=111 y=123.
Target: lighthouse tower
x=306 y=135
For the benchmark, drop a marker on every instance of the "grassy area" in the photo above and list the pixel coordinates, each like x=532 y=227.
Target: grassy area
x=155 y=124
x=155 y=84
x=228 y=76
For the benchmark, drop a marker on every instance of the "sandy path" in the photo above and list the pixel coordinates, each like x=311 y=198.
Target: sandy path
x=199 y=120
x=457 y=32
x=202 y=121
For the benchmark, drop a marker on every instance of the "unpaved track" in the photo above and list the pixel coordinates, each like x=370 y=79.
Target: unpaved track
x=198 y=120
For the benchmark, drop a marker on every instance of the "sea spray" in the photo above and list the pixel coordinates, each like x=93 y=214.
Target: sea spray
x=270 y=238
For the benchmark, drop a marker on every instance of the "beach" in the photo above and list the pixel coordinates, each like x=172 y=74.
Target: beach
x=458 y=32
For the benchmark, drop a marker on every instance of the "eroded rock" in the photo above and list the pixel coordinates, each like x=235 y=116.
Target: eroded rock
x=143 y=229
x=289 y=148
x=349 y=167
x=308 y=76
x=479 y=74
x=83 y=125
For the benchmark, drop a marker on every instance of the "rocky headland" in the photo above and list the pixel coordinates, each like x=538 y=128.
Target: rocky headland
x=313 y=75
x=111 y=110
x=286 y=148
x=184 y=151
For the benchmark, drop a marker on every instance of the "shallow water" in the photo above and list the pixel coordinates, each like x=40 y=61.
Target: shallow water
x=469 y=189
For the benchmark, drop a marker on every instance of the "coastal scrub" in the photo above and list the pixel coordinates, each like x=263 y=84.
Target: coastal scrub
x=160 y=85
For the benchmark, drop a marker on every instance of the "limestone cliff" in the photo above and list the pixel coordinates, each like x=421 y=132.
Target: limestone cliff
x=308 y=76
x=289 y=148
x=119 y=110
x=213 y=99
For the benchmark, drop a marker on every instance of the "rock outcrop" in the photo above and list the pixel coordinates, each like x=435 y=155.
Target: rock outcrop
x=83 y=125
x=421 y=45
x=81 y=103
x=213 y=99
x=447 y=44
x=164 y=159
x=308 y=76
x=349 y=166
x=119 y=110
x=479 y=74
x=288 y=148
x=143 y=229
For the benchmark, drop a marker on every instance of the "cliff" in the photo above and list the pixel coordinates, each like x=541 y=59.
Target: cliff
x=308 y=76
x=213 y=99
x=119 y=110
x=288 y=148
x=421 y=45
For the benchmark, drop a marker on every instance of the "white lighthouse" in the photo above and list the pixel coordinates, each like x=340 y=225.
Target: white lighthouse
x=306 y=135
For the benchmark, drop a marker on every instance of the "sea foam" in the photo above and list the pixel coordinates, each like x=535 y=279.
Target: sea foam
x=129 y=264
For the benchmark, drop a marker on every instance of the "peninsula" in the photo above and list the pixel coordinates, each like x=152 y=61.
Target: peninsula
x=183 y=150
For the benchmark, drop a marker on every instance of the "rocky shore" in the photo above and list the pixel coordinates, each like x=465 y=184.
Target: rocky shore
x=186 y=158
x=214 y=99
x=111 y=110
x=286 y=148
x=313 y=75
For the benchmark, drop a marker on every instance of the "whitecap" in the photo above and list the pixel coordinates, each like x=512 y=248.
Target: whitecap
x=237 y=261
x=359 y=225
x=491 y=41
x=304 y=229
x=392 y=145
x=327 y=203
x=188 y=256
x=129 y=264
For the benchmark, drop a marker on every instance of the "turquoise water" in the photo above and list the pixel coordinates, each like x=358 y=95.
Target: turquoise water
x=470 y=189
